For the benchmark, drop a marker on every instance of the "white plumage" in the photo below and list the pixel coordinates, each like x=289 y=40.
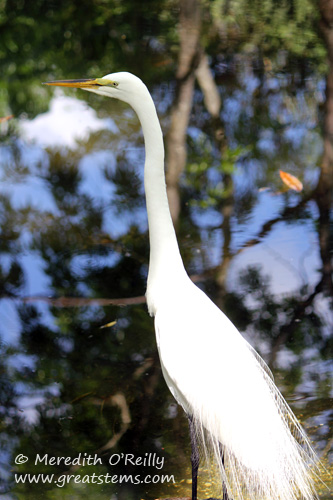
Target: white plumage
x=219 y=380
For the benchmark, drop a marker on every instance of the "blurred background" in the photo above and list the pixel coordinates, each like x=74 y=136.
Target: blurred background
x=243 y=90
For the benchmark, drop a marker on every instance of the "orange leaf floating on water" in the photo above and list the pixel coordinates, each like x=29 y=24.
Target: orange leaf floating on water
x=5 y=118
x=291 y=181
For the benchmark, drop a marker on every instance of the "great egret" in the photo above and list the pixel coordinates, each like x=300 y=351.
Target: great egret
x=236 y=413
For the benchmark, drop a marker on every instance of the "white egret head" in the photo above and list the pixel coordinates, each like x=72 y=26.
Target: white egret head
x=123 y=86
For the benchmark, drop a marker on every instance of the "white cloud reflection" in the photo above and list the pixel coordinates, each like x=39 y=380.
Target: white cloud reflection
x=68 y=120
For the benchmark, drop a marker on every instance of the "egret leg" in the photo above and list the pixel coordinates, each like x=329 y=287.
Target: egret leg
x=224 y=488
x=225 y=492
x=194 y=457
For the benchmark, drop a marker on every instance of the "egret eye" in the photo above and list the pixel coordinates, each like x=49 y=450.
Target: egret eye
x=105 y=82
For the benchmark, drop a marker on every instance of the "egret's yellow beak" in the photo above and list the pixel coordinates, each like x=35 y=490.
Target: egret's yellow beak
x=82 y=83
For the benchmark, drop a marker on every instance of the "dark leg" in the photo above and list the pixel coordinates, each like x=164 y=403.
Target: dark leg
x=224 y=488
x=194 y=457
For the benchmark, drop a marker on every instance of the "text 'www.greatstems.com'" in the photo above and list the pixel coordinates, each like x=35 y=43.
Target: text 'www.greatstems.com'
x=84 y=459
x=107 y=478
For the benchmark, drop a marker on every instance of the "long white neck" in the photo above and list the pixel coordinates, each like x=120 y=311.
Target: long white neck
x=165 y=261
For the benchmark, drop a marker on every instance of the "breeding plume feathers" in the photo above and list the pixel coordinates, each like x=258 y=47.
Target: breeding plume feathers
x=236 y=407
